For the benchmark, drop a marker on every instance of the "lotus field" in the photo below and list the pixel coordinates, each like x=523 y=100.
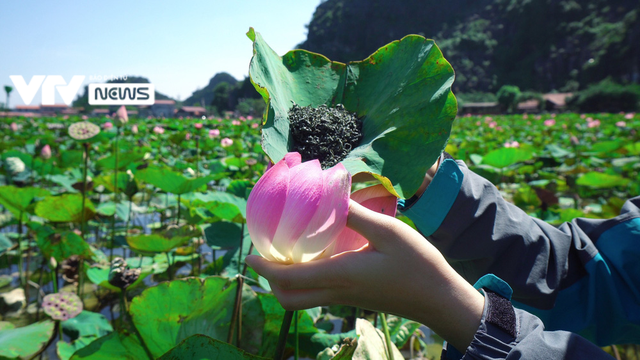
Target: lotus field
x=130 y=242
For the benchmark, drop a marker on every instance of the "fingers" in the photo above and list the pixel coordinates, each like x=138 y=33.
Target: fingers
x=318 y=274
x=302 y=299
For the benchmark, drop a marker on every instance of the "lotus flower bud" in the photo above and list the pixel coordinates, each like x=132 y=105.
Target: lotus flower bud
x=198 y=126
x=134 y=129
x=213 y=133
x=158 y=130
x=14 y=127
x=46 y=152
x=121 y=116
x=14 y=165
x=226 y=142
x=296 y=210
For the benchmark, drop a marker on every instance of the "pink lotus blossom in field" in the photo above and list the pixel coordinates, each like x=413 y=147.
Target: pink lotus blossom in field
x=493 y=124
x=226 y=142
x=549 y=122
x=219 y=120
x=45 y=153
x=564 y=126
x=499 y=128
x=553 y=115
x=525 y=116
x=213 y=133
x=574 y=140
x=242 y=118
x=85 y=117
x=66 y=117
x=589 y=119
x=594 y=123
x=621 y=124
x=14 y=127
x=187 y=136
x=158 y=130
x=134 y=129
x=488 y=119
x=537 y=117
x=235 y=122
x=513 y=144
x=582 y=116
x=121 y=116
x=255 y=125
x=478 y=123
x=629 y=116
x=249 y=117
x=198 y=126
x=108 y=125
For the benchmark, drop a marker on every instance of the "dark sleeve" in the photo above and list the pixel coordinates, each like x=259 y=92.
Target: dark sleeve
x=509 y=333
x=583 y=276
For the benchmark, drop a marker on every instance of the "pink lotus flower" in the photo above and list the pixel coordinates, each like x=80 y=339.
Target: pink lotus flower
x=621 y=124
x=249 y=117
x=582 y=116
x=525 y=116
x=549 y=122
x=134 y=129
x=198 y=126
x=14 y=127
x=187 y=136
x=213 y=133
x=254 y=125
x=629 y=116
x=513 y=144
x=108 y=125
x=574 y=140
x=242 y=118
x=235 y=122
x=226 y=142
x=493 y=124
x=478 y=123
x=488 y=119
x=121 y=116
x=594 y=123
x=158 y=130
x=296 y=210
x=45 y=153
x=85 y=117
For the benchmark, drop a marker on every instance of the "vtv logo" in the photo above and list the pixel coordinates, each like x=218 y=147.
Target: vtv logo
x=49 y=84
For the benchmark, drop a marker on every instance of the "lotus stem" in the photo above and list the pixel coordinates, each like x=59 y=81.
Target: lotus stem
x=387 y=337
x=236 y=318
x=284 y=333
x=55 y=280
x=295 y=330
x=115 y=194
x=169 y=269
x=178 y=218
x=241 y=245
x=26 y=274
x=82 y=222
x=197 y=155
x=20 y=261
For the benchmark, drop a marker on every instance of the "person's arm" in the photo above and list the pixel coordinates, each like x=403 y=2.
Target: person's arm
x=563 y=275
x=401 y=273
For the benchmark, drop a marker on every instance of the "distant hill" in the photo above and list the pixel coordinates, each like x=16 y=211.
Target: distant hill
x=540 y=45
x=83 y=100
x=204 y=96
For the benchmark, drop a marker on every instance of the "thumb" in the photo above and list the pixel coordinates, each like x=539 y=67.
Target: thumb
x=380 y=230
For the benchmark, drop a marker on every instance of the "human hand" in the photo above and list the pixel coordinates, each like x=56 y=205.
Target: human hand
x=399 y=272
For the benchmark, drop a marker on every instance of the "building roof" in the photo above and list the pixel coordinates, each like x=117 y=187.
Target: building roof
x=479 y=104
x=193 y=109
x=164 y=102
x=56 y=106
x=532 y=104
x=100 y=111
x=558 y=99
x=27 y=107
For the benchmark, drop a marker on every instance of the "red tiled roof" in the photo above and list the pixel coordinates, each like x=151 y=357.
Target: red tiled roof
x=57 y=106
x=164 y=102
x=529 y=105
x=27 y=107
x=100 y=111
x=194 y=109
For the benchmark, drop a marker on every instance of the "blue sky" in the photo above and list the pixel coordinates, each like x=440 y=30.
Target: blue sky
x=177 y=45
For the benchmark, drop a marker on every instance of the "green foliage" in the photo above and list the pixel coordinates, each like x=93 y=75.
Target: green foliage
x=607 y=96
x=508 y=97
x=203 y=347
x=25 y=341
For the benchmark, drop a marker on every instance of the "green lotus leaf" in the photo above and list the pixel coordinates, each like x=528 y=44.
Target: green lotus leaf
x=62 y=245
x=601 y=181
x=25 y=341
x=195 y=307
x=504 y=157
x=203 y=347
x=170 y=181
x=87 y=323
x=117 y=345
x=223 y=235
x=16 y=199
x=65 y=208
x=223 y=205
x=124 y=159
x=164 y=241
x=402 y=93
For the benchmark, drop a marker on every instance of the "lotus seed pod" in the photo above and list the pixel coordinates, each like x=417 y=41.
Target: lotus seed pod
x=83 y=130
x=62 y=306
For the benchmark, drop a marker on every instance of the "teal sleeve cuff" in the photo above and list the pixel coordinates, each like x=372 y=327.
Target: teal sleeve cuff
x=495 y=284
x=429 y=211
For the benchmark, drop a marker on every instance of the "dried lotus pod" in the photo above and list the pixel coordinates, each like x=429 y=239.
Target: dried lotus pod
x=83 y=130
x=62 y=306
x=120 y=275
x=70 y=268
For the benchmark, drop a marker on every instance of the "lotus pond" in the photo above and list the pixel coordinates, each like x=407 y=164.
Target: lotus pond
x=145 y=245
